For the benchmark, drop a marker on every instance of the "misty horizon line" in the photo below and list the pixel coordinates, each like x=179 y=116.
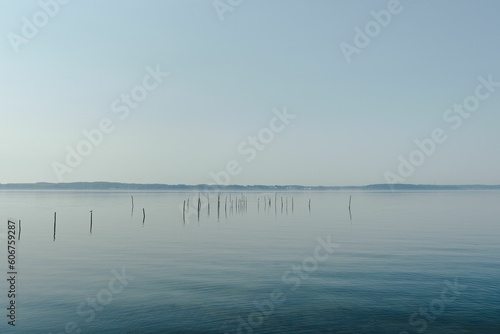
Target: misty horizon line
x=107 y=185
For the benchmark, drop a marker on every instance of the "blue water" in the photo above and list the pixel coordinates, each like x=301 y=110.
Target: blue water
x=415 y=262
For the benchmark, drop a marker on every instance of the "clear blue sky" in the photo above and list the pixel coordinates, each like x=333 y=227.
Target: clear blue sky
x=353 y=120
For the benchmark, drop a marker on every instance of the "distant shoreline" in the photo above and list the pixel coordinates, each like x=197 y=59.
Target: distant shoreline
x=205 y=187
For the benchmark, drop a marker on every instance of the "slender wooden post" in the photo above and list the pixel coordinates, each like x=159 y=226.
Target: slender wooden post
x=19 y=235
x=55 y=219
x=91 y=221
x=143 y=216
x=208 y=199
x=199 y=206
x=218 y=206
x=184 y=212
x=132 y=197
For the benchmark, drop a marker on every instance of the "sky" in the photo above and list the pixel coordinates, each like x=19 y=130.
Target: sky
x=308 y=92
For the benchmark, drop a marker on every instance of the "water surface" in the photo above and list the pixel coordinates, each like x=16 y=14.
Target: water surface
x=396 y=252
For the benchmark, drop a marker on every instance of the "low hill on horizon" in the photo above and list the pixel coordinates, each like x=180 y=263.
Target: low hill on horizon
x=215 y=187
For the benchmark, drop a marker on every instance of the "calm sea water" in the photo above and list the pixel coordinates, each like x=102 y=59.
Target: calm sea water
x=415 y=262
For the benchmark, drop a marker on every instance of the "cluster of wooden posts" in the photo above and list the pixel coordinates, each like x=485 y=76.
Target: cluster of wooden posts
x=234 y=204
x=231 y=204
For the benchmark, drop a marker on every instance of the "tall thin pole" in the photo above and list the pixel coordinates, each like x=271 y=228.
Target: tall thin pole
x=132 y=212
x=55 y=219
x=184 y=212
x=218 y=206
x=208 y=199
x=199 y=206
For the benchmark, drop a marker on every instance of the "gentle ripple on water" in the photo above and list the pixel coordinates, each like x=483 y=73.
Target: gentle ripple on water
x=205 y=277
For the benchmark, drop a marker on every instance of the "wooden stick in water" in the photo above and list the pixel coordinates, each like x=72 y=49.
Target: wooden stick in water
x=350 y=214
x=208 y=199
x=199 y=207
x=218 y=206
x=55 y=219
x=184 y=212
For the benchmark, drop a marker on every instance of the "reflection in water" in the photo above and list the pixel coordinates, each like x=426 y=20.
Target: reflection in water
x=196 y=279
